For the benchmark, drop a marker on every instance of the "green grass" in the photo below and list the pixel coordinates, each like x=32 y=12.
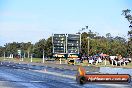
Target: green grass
x=20 y=60
x=85 y=63
x=129 y=65
x=33 y=60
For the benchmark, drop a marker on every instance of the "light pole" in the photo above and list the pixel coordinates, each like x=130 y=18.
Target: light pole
x=43 y=56
x=64 y=46
x=66 y=42
x=86 y=27
x=53 y=42
x=31 y=58
x=88 y=45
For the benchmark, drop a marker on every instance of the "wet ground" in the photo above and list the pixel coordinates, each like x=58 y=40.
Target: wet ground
x=14 y=75
x=111 y=70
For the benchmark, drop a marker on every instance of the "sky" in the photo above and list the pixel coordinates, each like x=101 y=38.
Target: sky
x=32 y=20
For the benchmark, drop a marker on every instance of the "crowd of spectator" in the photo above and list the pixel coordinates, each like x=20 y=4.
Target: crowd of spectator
x=117 y=60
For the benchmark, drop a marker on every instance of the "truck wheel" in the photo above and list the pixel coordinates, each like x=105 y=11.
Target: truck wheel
x=129 y=79
x=81 y=80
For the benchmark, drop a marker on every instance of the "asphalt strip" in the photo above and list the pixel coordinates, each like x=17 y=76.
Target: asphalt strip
x=56 y=74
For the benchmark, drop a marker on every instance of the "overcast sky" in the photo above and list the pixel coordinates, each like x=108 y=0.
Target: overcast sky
x=32 y=20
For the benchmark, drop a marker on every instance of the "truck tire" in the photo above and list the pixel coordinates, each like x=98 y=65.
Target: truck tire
x=81 y=80
x=129 y=79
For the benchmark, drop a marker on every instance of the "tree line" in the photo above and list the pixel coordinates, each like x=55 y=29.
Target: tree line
x=27 y=48
x=97 y=44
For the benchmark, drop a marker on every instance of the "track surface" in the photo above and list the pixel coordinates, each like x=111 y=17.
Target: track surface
x=14 y=75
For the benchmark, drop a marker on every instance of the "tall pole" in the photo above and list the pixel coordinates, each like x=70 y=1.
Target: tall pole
x=43 y=56
x=31 y=58
x=80 y=42
x=88 y=46
x=88 y=41
x=28 y=54
x=22 y=58
x=64 y=46
x=20 y=55
x=24 y=55
x=80 y=37
x=53 y=42
x=66 y=43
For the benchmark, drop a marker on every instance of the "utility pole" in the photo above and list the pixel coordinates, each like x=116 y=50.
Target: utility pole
x=88 y=45
x=86 y=27
x=64 y=46
x=53 y=42
x=43 y=56
x=80 y=44
x=20 y=55
x=24 y=55
x=22 y=58
x=66 y=43
x=31 y=58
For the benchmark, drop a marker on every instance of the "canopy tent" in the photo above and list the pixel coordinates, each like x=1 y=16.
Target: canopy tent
x=104 y=55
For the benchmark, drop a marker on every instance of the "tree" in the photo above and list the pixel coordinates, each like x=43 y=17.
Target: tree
x=38 y=48
x=91 y=34
x=127 y=15
x=125 y=12
x=11 y=48
x=49 y=47
x=84 y=42
x=2 y=50
x=29 y=48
